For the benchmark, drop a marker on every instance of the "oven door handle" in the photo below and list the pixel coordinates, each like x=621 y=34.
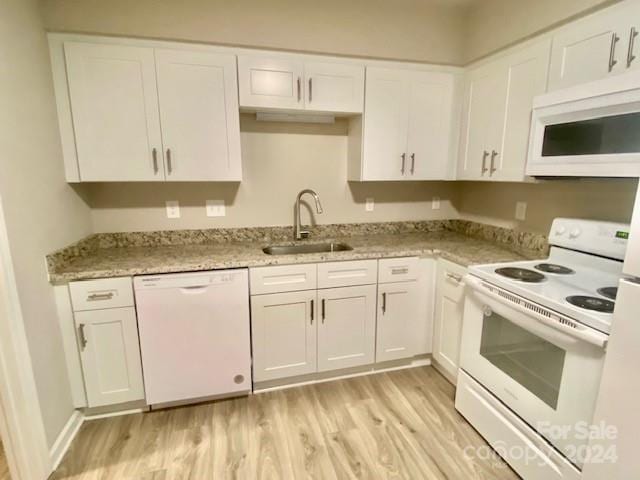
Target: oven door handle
x=523 y=316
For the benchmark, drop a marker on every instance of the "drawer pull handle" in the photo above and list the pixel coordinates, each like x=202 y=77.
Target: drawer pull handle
x=94 y=297
x=399 y=271
x=83 y=337
x=312 y=309
x=454 y=277
x=323 y=311
x=384 y=302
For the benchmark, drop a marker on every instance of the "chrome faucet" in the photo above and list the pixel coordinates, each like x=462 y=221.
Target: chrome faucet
x=299 y=234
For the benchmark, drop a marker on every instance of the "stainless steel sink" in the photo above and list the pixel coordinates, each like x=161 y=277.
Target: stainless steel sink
x=306 y=248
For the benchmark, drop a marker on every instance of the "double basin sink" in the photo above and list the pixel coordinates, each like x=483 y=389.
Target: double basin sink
x=327 y=247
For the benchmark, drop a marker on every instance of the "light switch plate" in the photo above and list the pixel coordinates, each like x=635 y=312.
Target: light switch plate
x=435 y=203
x=173 y=209
x=521 y=210
x=216 y=208
x=369 y=204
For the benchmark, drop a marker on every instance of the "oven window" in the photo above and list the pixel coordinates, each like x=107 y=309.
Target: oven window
x=598 y=136
x=531 y=361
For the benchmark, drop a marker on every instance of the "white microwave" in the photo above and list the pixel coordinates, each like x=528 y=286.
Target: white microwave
x=591 y=130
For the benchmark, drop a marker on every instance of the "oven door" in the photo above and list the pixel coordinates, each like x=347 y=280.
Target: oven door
x=587 y=133
x=544 y=367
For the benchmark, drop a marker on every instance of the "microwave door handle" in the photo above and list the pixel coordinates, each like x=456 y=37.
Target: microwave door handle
x=544 y=326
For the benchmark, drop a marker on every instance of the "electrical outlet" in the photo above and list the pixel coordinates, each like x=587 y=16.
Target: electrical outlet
x=435 y=203
x=521 y=211
x=369 y=204
x=216 y=208
x=173 y=209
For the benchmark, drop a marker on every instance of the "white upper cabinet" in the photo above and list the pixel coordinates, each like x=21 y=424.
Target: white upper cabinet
x=408 y=125
x=333 y=87
x=138 y=112
x=291 y=83
x=497 y=114
x=199 y=115
x=112 y=90
x=271 y=82
x=602 y=44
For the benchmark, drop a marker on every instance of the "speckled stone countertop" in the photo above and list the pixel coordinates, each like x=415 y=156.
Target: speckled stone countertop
x=112 y=255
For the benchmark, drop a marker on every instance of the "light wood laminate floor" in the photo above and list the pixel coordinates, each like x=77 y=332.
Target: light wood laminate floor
x=400 y=424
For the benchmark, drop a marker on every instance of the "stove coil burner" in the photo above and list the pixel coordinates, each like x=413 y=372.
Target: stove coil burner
x=609 y=292
x=591 y=303
x=521 y=274
x=553 y=268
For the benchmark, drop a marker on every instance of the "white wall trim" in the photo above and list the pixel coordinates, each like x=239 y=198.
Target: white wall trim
x=21 y=422
x=66 y=436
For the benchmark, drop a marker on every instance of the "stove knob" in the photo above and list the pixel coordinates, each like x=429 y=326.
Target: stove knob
x=575 y=233
x=560 y=230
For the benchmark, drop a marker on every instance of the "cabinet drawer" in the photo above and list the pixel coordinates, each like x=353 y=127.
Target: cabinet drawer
x=285 y=278
x=450 y=280
x=397 y=269
x=100 y=294
x=346 y=274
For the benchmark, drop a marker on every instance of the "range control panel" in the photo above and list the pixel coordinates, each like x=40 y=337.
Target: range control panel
x=607 y=239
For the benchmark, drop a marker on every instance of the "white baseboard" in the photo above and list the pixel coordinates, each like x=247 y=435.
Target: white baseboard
x=66 y=436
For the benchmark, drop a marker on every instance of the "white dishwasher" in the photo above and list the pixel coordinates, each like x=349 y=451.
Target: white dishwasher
x=194 y=334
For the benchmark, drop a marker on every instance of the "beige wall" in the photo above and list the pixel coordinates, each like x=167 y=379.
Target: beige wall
x=420 y=30
x=494 y=24
x=42 y=212
x=279 y=160
x=595 y=199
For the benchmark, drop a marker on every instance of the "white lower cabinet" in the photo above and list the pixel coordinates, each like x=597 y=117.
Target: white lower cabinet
x=347 y=328
x=283 y=334
x=398 y=305
x=448 y=317
x=110 y=354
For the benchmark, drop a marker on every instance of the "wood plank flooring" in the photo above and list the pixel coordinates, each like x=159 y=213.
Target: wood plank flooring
x=399 y=424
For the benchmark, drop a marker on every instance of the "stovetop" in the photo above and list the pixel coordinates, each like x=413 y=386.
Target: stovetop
x=578 y=285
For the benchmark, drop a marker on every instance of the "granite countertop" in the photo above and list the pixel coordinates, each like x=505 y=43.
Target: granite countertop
x=112 y=261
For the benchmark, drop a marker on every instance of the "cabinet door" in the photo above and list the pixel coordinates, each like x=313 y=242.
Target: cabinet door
x=526 y=75
x=398 y=307
x=332 y=87
x=114 y=105
x=483 y=119
x=385 y=125
x=110 y=354
x=271 y=82
x=589 y=49
x=199 y=115
x=431 y=103
x=283 y=334
x=346 y=332
x=448 y=317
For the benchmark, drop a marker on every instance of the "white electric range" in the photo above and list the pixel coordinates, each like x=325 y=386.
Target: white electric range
x=534 y=340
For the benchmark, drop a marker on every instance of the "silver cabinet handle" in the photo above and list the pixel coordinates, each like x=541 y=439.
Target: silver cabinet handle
x=485 y=154
x=83 y=337
x=404 y=157
x=100 y=296
x=492 y=167
x=400 y=271
x=310 y=89
x=323 y=311
x=312 y=309
x=632 y=40
x=454 y=277
x=612 y=51
x=169 y=162
x=154 y=155
x=299 y=90
x=413 y=163
x=384 y=302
